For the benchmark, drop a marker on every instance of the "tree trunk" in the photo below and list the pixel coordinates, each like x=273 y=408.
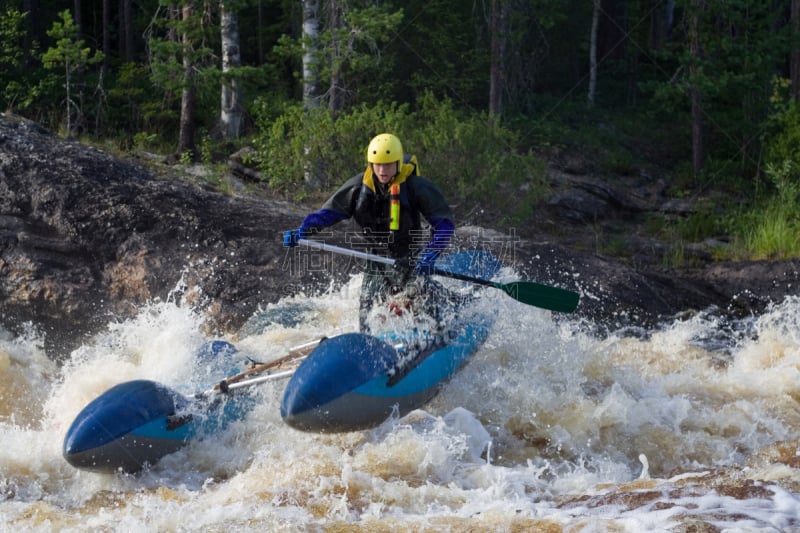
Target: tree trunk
x=104 y=67
x=313 y=174
x=106 y=34
x=310 y=53
x=794 y=62
x=631 y=50
x=590 y=97
x=669 y=9
x=126 y=50
x=661 y=17
x=121 y=28
x=698 y=149
x=68 y=84
x=34 y=33
x=186 y=135
x=612 y=32
x=335 y=102
x=497 y=75
x=77 y=16
x=657 y=33
x=231 y=112
x=260 y=32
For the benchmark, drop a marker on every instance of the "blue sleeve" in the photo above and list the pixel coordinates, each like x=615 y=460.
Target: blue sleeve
x=321 y=219
x=443 y=230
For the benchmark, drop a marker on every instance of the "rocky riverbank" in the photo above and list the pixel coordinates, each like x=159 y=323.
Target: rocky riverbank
x=86 y=237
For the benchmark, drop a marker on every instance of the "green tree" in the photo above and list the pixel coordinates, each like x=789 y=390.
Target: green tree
x=12 y=59
x=726 y=53
x=349 y=50
x=69 y=54
x=183 y=66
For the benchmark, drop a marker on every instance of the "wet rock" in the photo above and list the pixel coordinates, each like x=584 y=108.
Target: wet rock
x=86 y=237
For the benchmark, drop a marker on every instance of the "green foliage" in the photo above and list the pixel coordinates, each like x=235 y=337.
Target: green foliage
x=309 y=144
x=70 y=55
x=543 y=62
x=351 y=53
x=12 y=32
x=68 y=52
x=144 y=141
x=433 y=53
x=469 y=156
x=206 y=150
x=128 y=97
x=175 y=40
x=177 y=43
x=782 y=140
x=702 y=228
x=701 y=224
x=420 y=68
x=771 y=228
x=354 y=43
x=472 y=156
x=186 y=158
x=14 y=78
x=740 y=49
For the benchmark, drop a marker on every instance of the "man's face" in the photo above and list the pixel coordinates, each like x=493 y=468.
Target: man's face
x=385 y=171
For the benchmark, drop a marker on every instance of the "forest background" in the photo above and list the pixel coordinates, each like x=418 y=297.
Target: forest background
x=487 y=93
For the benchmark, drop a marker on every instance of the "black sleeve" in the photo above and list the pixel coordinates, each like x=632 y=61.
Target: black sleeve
x=344 y=199
x=430 y=201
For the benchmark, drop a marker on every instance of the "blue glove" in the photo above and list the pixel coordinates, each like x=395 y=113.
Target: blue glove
x=290 y=237
x=425 y=265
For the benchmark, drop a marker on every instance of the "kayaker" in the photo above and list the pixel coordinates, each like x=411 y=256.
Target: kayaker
x=388 y=201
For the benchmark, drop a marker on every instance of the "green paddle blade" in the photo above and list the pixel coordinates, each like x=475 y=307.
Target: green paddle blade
x=544 y=296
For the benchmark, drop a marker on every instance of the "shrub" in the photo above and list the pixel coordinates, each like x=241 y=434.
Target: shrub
x=468 y=155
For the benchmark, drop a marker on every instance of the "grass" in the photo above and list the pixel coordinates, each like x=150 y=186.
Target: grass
x=773 y=233
x=770 y=229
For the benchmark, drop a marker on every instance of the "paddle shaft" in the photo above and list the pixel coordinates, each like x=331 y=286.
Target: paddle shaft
x=296 y=353
x=527 y=292
x=325 y=247
x=262 y=379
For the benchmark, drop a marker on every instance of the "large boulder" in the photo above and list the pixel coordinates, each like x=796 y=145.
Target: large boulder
x=86 y=236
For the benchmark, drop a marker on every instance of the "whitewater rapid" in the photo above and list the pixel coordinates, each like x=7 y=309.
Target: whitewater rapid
x=551 y=426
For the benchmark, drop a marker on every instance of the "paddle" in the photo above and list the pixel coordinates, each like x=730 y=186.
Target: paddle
x=527 y=292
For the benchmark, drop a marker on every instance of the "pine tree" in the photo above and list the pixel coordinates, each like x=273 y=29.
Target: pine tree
x=70 y=55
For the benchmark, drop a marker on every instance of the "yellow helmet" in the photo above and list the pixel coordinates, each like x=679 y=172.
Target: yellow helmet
x=385 y=148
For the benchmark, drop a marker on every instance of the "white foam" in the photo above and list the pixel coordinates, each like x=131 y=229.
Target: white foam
x=547 y=424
